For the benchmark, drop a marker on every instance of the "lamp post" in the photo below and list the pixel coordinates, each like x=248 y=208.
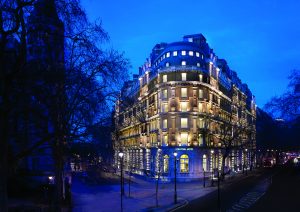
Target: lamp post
x=121 y=154
x=203 y=177
x=175 y=172
x=246 y=161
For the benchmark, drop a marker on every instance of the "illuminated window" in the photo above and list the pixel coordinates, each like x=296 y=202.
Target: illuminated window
x=183 y=76
x=202 y=56
x=168 y=54
x=183 y=63
x=200 y=140
x=198 y=64
x=165 y=123
x=200 y=93
x=165 y=93
x=197 y=54
x=200 y=77
x=191 y=53
x=201 y=123
x=167 y=64
x=183 y=92
x=175 y=53
x=165 y=78
x=166 y=163
x=164 y=56
x=184 y=163
x=183 y=53
x=204 y=163
x=184 y=122
x=184 y=138
x=183 y=106
x=165 y=107
x=200 y=107
x=165 y=140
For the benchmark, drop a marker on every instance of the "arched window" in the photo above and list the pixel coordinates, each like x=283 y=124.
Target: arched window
x=166 y=163
x=184 y=164
x=204 y=163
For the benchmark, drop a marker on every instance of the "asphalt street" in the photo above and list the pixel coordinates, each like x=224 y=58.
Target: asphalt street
x=237 y=196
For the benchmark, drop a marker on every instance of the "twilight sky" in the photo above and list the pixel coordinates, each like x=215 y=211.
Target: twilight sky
x=260 y=39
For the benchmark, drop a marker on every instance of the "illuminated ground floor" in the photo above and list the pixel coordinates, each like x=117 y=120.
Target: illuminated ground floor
x=191 y=163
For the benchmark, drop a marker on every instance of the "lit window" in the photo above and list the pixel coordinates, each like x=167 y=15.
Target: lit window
x=175 y=53
x=183 y=76
x=165 y=93
x=165 y=140
x=197 y=54
x=184 y=164
x=165 y=107
x=200 y=107
x=183 y=63
x=167 y=64
x=200 y=93
x=191 y=53
x=183 y=106
x=166 y=163
x=165 y=78
x=190 y=39
x=168 y=54
x=201 y=123
x=164 y=56
x=184 y=122
x=200 y=77
x=183 y=53
x=165 y=123
x=204 y=163
x=183 y=92
x=202 y=56
x=198 y=64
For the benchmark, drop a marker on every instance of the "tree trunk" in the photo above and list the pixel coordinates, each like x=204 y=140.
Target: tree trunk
x=58 y=160
x=4 y=108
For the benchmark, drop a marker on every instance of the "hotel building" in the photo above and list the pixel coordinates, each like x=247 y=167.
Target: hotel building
x=178 y=102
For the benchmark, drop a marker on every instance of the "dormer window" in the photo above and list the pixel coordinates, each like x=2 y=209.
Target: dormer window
x=183 y=53
x=175 y=53
x=168 y=54
x=191 y=53
x=197 y=54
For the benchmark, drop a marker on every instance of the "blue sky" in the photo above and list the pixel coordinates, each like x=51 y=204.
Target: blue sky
x=260 y=39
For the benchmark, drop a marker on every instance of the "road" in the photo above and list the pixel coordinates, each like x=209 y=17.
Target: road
x=284 y=193
x=237 y=196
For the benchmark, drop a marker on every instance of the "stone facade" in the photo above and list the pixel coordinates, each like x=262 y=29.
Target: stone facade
x=179 y=102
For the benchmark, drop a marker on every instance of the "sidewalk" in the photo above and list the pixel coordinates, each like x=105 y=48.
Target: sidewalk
x=107 y=197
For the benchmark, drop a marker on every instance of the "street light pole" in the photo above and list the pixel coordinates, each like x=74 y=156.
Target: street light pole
x=175 y=173
x=203 y=178
x=121 y=154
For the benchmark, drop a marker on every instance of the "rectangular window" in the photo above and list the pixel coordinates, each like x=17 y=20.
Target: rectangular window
x=165 y=140
x=200 y=77
x=165 y=93
x=200 y=93
x=165 y=123
x=198 y=64
x=183 y=106
x=191 y=53
x=201 y=107
x=175 y=53
x=183 y=53
x=165 y=78
x=183 y=63
x=167 y=64
x=183 y=92
x=184 y=122
x=184 y=138
x=200 y=140
x=197 y=54
x=201 y=123
x=183 y=76
x=168 y=54
x=165 y=107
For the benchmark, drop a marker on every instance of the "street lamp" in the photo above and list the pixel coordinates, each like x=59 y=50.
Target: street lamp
x=121 y=154
x=175 y=172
